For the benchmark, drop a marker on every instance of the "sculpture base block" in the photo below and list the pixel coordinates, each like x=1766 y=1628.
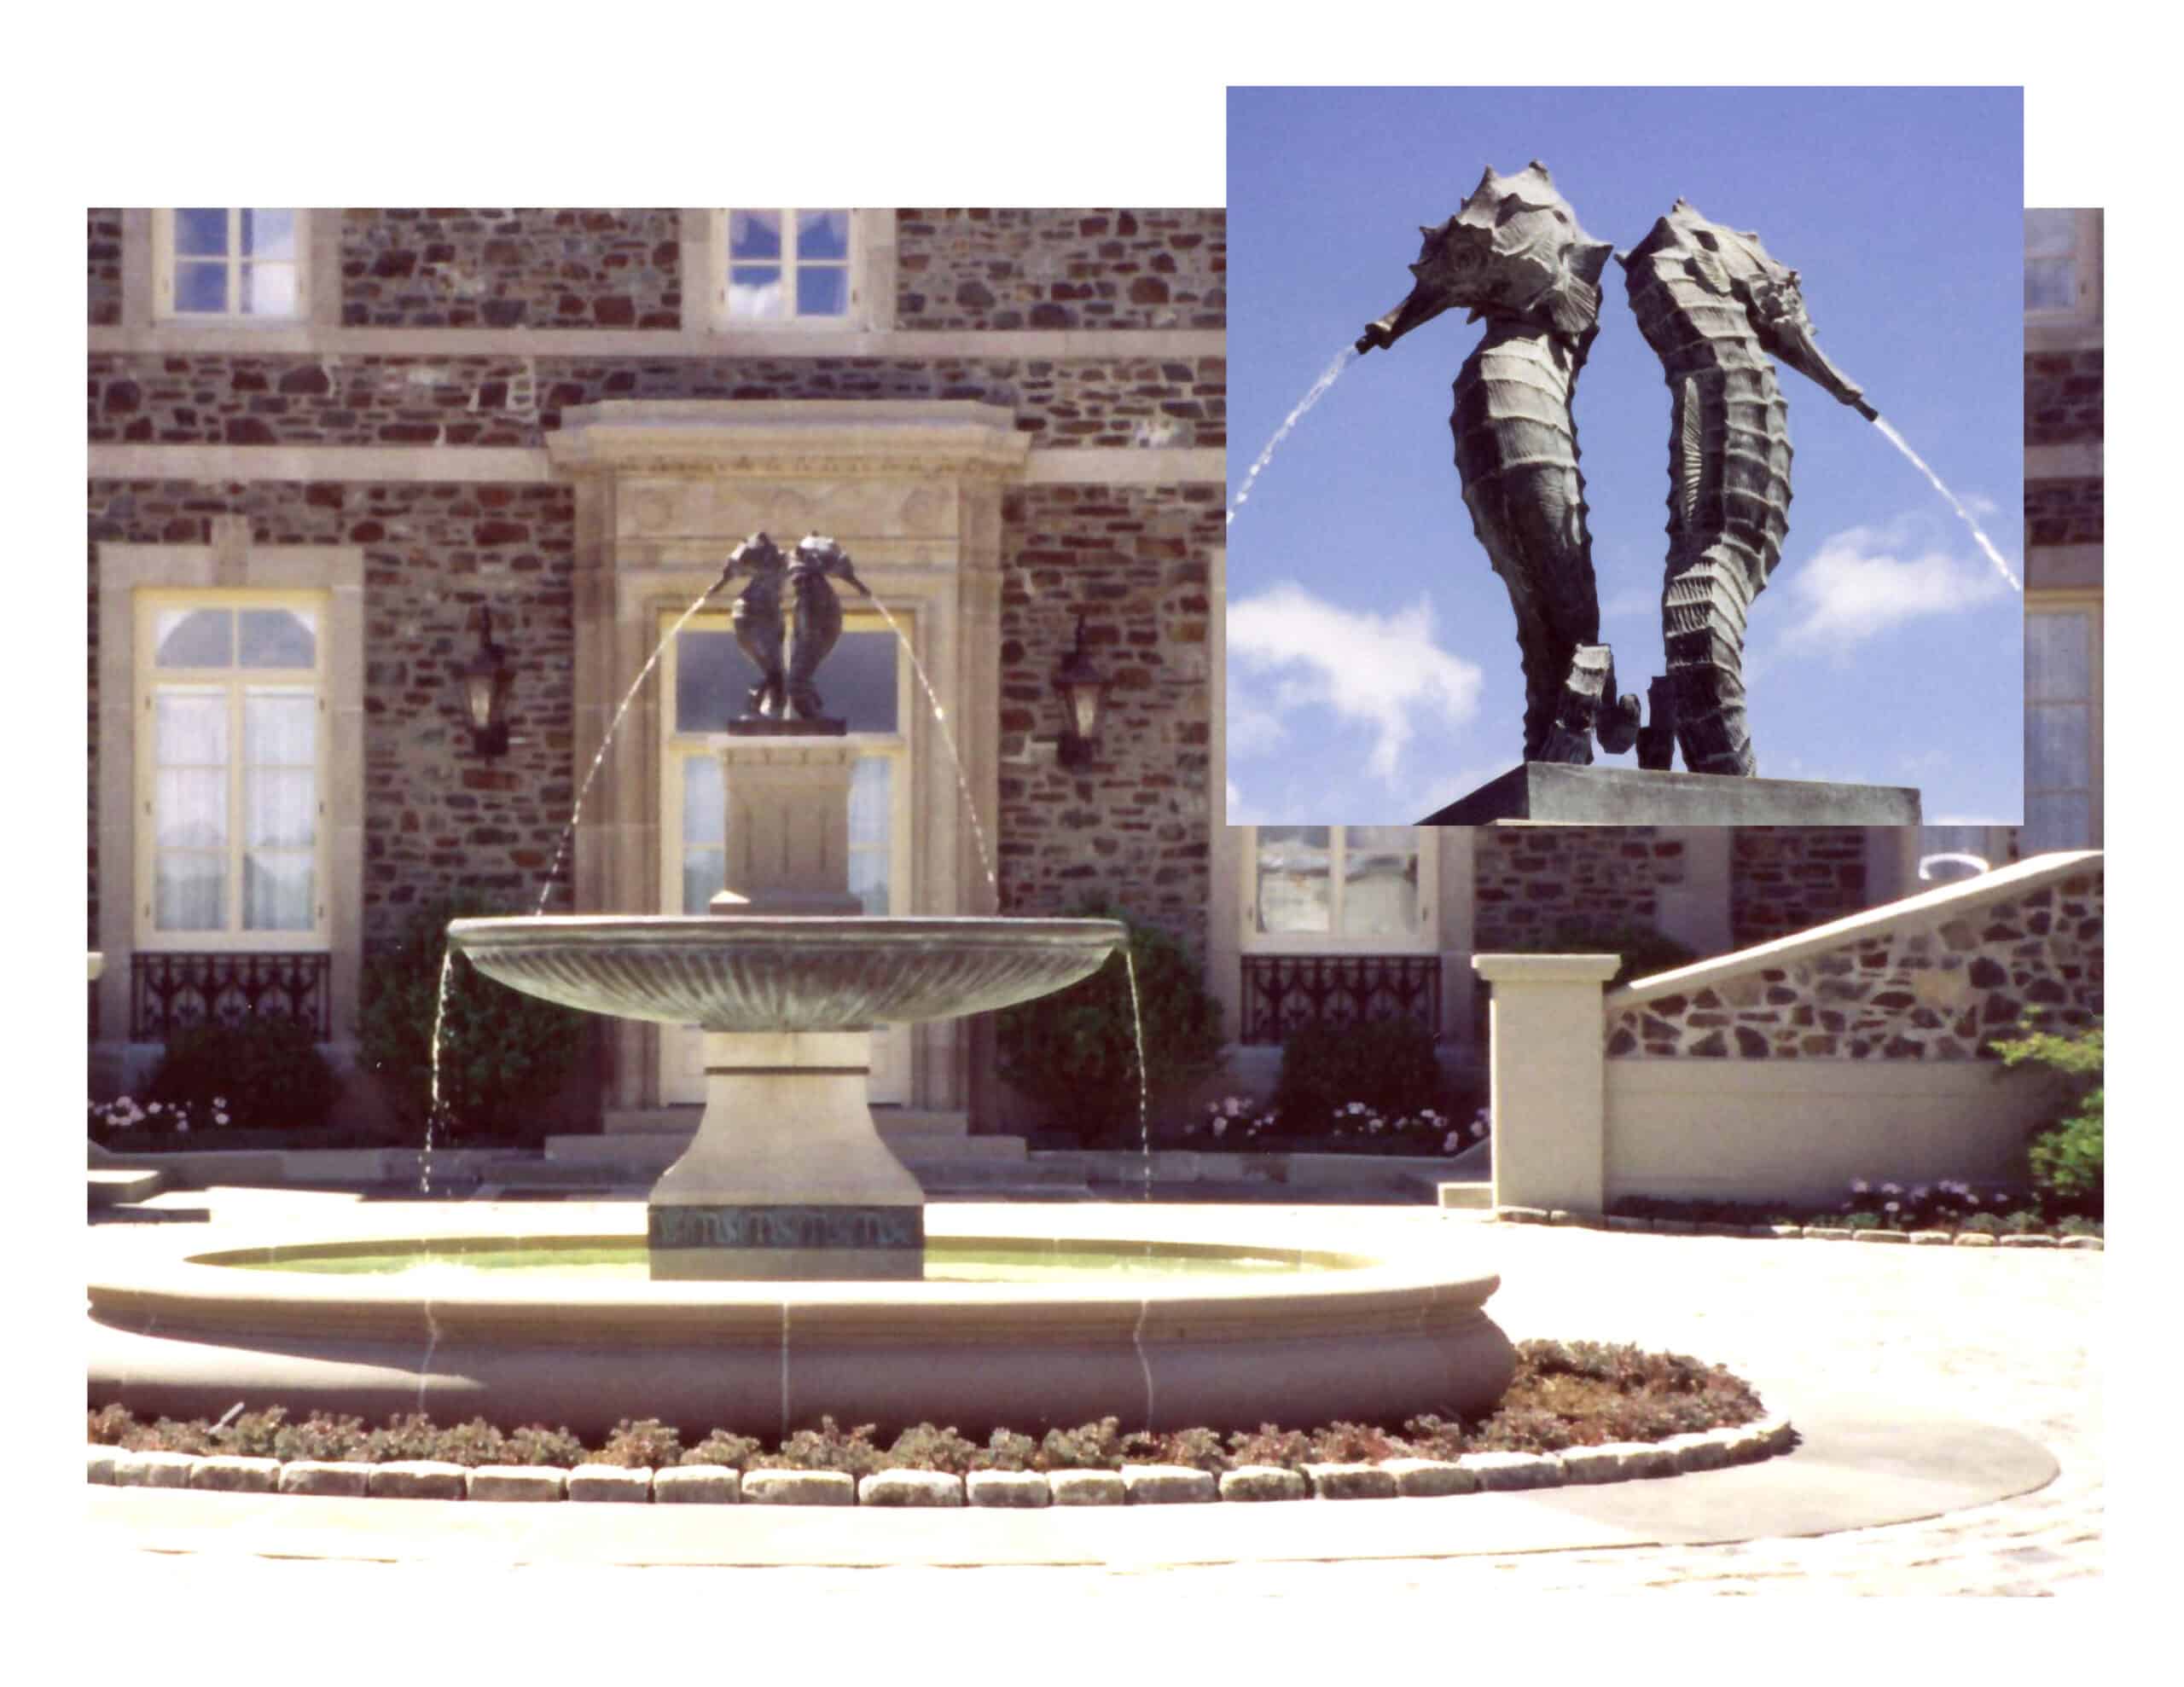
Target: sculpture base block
x=695 y=1243
x=1556 y=793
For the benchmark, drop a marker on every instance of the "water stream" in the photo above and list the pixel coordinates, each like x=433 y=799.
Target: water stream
x=948 y=738
x=1328 y=376
x=1963 y=514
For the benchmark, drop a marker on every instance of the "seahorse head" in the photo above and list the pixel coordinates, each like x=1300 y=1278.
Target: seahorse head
x=1513 y=252
x=1733 y=263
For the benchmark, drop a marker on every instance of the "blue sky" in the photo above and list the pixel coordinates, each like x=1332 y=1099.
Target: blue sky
x=1372 y=661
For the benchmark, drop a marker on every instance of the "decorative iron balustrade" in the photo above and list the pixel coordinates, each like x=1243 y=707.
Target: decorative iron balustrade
x=168 y=992
x=1282 y=992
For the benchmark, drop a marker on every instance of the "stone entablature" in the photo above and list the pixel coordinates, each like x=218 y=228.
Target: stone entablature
x=1043 y=269
x=1937 y=977
x=531 y=268
x=238 y=398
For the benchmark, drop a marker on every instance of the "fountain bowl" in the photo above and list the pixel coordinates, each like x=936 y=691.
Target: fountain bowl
x=785 y=972
x=1367 y=1325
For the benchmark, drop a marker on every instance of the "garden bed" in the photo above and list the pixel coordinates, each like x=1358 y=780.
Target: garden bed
x=1947 y=1207
x=1577 y=1411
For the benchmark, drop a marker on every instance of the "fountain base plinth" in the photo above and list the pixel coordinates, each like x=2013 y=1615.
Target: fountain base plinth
x=787 y=1177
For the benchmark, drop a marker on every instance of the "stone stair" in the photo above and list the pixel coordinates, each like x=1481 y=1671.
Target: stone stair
x=122 y=1188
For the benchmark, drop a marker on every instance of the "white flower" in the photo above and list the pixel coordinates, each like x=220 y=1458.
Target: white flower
x=1219 y=1126
x=156 y=1106
x=1451 y=1143
x=1860 y=1187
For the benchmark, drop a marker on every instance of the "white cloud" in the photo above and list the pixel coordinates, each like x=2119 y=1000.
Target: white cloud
x=1864 y=582
x=1382 y=671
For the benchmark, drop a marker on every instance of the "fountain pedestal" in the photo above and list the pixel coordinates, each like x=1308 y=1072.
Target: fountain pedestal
x=788 y=1177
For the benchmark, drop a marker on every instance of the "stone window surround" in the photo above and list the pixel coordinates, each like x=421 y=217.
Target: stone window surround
x=871 y=278
x=912 y=490
x=1420 y=941
x=230 y=562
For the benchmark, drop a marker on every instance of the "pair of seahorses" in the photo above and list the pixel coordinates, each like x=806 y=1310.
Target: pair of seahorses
x=1712 y=305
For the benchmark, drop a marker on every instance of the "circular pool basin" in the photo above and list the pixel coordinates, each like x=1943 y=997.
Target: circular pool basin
x=1106 y=1318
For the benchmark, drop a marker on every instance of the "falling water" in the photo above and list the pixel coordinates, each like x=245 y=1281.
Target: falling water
x=431 y=1117
x=546 y=890
x=1144 y=1112
x=1327 y=377
x=1919 y=463
x=956 y=759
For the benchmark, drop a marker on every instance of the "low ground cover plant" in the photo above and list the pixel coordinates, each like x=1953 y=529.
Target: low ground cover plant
x=1948 y=1204
x=1565 y=1395
x=1235 y=1122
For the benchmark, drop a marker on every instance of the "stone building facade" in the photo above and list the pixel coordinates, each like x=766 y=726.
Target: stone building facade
x=392 y=419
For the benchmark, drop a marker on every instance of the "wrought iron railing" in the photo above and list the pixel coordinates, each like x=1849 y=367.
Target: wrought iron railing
x=1282 y=992
x=169 y=991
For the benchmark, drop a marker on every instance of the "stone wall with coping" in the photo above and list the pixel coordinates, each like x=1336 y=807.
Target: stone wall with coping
x=1938 y=979
x=305 y=399
x=1788 y=878
x=436 y=817
x=506 y=269
x=1132 y=827
x=2064 y=401
x=1529 y=880
x=103 y=266
x=1047 y=268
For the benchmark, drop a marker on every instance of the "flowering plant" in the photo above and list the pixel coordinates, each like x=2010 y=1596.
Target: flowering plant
x=1924 y=1206
x=126 y=1113
x=1239 y=1111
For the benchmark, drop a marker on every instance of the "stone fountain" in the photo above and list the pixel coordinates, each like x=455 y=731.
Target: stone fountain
x=788 y=1176
x=789 y=1268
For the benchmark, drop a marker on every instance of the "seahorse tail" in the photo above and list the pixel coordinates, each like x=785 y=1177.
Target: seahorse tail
x=1703 y=614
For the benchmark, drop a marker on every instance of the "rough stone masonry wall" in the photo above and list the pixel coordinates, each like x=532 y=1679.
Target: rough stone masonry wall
x=103 y=266
x=334 y=400
x=1132 y=827
x=436 y=817
x=1940 y=986
x=2063 y=397
x=1024 y=268
x=1788 y=878
x=2063 y=512
x=535 y=269
x=1528 y=881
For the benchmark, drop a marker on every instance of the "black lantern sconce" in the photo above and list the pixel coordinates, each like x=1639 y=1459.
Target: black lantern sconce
x=485 y=691
x=1084 y=691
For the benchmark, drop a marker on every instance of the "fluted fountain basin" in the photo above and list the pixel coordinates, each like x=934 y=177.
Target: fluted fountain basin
x=785 y=972
x=1110 y=1314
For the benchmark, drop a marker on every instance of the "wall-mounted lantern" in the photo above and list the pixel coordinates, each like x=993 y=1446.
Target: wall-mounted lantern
x=1083 y=690
x=485 y=691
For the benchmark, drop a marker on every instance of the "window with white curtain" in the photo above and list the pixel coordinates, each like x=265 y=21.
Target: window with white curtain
x=2062 y=728
x=230 y=264
x=231 y=757
x=1336 y=887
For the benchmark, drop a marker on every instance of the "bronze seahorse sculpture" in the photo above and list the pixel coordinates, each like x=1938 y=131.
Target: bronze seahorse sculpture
x=1713 y=305
x=1514 y=255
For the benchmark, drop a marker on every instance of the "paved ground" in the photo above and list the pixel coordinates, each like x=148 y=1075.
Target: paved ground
x=2005 y=1338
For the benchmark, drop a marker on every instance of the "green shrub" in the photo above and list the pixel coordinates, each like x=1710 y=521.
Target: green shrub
x=1074 y=1054
x=322 y=1437
x=1006 y=1449
x=722 y=1448
x=1288 y=1449
x=266 y=1072
x=1089 y=1446
x=2067 y=1158
x=473 y=1444
x=1434 y=1436
x=504 y=1053
x=828 y=1447
x=645 y=1445
x=923 y=1448
x=535 y=1444
x=1982 y=1224
x=1388 y=1064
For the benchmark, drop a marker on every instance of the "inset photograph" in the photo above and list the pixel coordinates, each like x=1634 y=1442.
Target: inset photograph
x=1626 y=456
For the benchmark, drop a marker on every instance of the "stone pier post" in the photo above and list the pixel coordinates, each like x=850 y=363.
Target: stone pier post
x=1546 y=1042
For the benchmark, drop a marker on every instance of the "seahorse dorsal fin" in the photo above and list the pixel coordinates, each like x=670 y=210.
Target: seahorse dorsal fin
x=1708 y=270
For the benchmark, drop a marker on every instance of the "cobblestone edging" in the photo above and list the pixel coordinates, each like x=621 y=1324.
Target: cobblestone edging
x=1132 y=1485
x=1790 y=1233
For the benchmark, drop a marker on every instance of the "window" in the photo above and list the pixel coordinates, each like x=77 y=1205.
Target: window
x=2055 y=277
x=2062 y=728
x=230 y=754
x=789 y=266
x=230 y=264
x=1320 y=887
